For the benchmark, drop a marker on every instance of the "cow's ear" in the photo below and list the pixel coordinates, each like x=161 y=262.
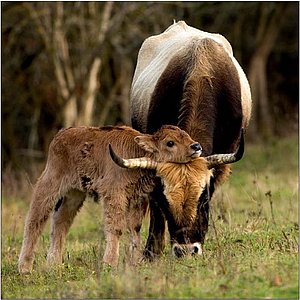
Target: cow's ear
x=146 y=142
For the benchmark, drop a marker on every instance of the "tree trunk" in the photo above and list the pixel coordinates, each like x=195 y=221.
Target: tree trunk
x=67 y=74
x=33 y=135
x=268 y=29
x=86 y=115
x=262 y=123
x=125 y=82
x=70 y=112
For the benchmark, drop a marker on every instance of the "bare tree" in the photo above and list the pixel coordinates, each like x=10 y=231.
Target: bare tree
x=71 y=63
x=74 y=71
x=267 y=32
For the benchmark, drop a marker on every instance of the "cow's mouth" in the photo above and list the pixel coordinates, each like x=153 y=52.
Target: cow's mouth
x=180 y=250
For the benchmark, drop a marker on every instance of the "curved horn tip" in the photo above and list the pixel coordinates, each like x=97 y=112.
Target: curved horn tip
x=220 y=159
x=119 y=161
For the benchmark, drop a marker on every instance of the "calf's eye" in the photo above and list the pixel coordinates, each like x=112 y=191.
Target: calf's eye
x=170 y=144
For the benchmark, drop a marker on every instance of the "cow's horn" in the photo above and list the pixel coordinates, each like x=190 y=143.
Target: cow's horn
x=132 y=163
x=221 y=159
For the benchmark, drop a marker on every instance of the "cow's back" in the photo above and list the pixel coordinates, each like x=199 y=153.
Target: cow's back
x=170 y=50
x=85 y=149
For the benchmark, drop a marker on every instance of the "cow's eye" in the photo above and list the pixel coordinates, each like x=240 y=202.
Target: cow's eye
x=170 y=144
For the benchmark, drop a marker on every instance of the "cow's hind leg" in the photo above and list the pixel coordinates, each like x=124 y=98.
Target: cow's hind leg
x=64 y=213
x=45 y=194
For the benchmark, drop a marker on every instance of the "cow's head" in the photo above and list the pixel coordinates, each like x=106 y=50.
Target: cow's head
x=184 y=177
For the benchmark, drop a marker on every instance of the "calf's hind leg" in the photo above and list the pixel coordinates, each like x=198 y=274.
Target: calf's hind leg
x=45 y=194
x=62 y=219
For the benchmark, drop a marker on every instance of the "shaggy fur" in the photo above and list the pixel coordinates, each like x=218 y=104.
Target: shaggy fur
x=79 y=164
x=190 y=179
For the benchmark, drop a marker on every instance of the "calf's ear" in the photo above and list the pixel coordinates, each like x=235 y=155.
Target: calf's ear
x=146 y=143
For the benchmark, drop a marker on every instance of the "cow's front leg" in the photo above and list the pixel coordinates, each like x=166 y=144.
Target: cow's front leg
x=156 y=238
x=220 y=175
x=203 y=212
x=203 y=215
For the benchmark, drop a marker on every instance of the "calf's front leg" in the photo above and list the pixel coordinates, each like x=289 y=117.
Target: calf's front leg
x=135 y=217
x=115 y=222
x=111 y=254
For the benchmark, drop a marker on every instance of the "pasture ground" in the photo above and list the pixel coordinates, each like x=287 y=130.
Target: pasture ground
x=251 y=250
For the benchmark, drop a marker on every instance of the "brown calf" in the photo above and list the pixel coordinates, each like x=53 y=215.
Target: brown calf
x=79 y=164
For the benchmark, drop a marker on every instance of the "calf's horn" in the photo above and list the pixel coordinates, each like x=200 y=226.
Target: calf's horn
x=221 y=159
x=132 y=163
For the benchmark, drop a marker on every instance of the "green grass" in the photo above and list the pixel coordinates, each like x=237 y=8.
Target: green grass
x=251 y=250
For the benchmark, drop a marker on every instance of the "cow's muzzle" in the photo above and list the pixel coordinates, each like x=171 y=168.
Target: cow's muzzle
x=180 y=250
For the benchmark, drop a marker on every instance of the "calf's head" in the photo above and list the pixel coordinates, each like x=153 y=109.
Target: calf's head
x=168 y=144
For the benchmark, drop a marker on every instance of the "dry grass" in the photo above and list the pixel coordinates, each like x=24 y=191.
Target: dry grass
x=251 y=249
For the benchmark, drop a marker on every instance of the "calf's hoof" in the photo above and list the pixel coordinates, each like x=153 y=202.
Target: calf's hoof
x=110 y=262
x=25 y=267
x=53 y=259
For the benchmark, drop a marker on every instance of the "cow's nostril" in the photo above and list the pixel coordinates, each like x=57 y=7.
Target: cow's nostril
x=195 y=249
x=178 y=251
x=196 y=147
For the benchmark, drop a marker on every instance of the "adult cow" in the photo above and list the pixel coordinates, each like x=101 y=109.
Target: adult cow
x=190 y=78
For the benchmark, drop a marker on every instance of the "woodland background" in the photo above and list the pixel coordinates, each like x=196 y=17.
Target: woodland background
x=71 y=63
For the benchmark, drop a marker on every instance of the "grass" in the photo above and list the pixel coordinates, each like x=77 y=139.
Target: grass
x=251 y=250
